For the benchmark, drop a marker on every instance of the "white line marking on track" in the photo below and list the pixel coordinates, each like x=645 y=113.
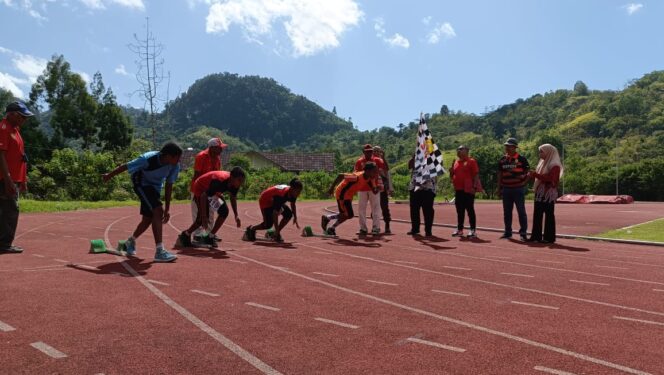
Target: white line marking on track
x=51 y=234
x=61 y=260
x=4 y=327
x=516 y=274
x=325 y=274
x=404 y=262
x=340 y=324
x=435 y=344
x=611 y=267
x=382 y=283
x=38 y=256
x=120 y=273
x=535 y=305
x=639 y=320
x=457 y=268
x=552 y=371
x=83 y=238
x=452 y=293
x=237 y=261
x=205 y=293
x=67 y=236
x=322 y=252
x=48 y=350
x=658 y=290
x=158 y=282
x=223 y=340
x=87 y=267
x=515 y=287
x=48 y=269
x=589 y=282
x=456 y=321
x=550 y=261
x=498 y=257
x=262 y=306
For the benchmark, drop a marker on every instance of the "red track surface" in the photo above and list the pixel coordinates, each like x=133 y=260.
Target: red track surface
x=486 y=306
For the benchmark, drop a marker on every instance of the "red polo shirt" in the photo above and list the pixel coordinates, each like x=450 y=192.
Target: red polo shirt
x=204 y=163
x=12 y=144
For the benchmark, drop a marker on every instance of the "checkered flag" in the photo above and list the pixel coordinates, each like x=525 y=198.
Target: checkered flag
x=428 y=158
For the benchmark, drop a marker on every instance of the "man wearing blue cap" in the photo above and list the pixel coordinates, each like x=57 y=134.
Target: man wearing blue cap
x=13 y=173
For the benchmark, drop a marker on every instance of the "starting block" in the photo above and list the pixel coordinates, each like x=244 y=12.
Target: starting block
x=309 y=232
x=99 y=247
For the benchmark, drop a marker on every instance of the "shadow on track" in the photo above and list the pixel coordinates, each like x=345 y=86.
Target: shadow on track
x=139 y=265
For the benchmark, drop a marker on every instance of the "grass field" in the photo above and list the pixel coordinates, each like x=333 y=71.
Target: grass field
x=652 y=231
x=28 y=205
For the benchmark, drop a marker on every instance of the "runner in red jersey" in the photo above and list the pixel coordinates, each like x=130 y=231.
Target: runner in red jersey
x=272 y=203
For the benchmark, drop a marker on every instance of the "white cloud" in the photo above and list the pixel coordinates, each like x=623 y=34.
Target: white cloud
x=29 y=65
x=426 y=20
x=633 y=8
x=121 y=70
x=441 y=31
x=84 y=75
x=133 y=4
x=9 y=82
x=396 y=40
x=31 y=6
x=311 y=26
x=93 y=4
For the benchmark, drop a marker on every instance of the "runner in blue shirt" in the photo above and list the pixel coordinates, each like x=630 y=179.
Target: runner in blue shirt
x=148 y=173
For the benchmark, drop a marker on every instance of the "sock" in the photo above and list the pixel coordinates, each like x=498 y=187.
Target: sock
x=333 y=216
x=160 y=246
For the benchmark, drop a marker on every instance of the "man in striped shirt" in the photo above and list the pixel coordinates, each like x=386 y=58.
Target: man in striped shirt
x=512 y=180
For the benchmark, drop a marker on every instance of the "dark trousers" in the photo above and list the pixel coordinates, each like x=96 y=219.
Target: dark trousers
x=465 y=202
x=8 y=217
x=544 y=210
x=385 y=207
x=421 y=199
x=515 y=197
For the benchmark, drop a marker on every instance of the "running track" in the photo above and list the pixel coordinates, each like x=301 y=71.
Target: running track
x=390 y=305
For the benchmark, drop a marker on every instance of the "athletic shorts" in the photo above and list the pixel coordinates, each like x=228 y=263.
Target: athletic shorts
x=345 y=207
x=221 y=211
x=268 y=212
x=149 y=197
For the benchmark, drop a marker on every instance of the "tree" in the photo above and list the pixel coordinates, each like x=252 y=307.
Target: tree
x=150 y=73
x=580 y=88
x=444 y=111
x=73 y=108
x=115 y=129
x=334 y=110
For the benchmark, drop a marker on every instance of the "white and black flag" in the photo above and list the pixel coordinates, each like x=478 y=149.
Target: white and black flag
x=428 y=158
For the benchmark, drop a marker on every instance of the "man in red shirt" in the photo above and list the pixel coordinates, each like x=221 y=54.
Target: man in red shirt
x=369 y=196
x=465 y=178
x=13 y=172
x=206 y=161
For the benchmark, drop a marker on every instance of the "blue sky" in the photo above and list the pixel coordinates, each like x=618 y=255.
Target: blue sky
x=379 y=62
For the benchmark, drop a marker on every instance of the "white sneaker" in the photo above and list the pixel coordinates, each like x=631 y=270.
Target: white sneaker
x=457 y=233
x=472 y=234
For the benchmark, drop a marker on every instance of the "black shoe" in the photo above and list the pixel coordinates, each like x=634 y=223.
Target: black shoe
x=250 y=234
x=199 y=238
x=505 y=236
x=428 y=234
x=413 y=233
x=330 y=232
x=387 y=228
x=523 y=237
x=324 y=221
x=185 y=240
x=278 y=239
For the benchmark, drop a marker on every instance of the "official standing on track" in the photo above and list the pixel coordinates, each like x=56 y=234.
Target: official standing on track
x=369 y=196
x=466 y=181
x=387 y=189
x=547 y=175
x=421 y=198
x=512 y=180
x=206 y=161
x=13 y=173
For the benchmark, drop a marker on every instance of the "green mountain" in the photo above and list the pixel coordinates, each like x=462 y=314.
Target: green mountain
x=251 y=108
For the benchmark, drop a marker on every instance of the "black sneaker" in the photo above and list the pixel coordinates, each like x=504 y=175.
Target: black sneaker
x=12 y=249
x=278 y=239
x=413 y=233
x=184 y=240
x=199 y=238
x=324 y=221
x=250 y=234
x=331 y=232
x=523 y=237
x=506 y=236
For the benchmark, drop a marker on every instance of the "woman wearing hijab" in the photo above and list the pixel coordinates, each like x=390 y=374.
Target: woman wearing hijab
x=547 y=175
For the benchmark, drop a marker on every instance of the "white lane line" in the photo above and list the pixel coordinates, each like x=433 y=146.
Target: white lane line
x=435 y=344
x=658 y=290
x=322 y=252
x=340 y=324
x=404 y=262
x=452 y=293
x=458 y=322
x=639 y=320
x=120 y=273
x=552 y=371
x=48 y=350
x=487 y=282
x=535 y=305
x=4 y=327
x=262 y=306
x=157 y=282
x=516 y=274
x=83 y=238
x=589 y=282
x=325 y=274
x=611 y=267
x=87 y=267
x=49 y=269
x=67 y=236
x=38 y=256
x=550 y=261
x=457 y=268
x=498 y=257
x=61 y=260
x=204 y=292
x=51 y=234
x=382 y=283
x=237 y=261
x=223 y=340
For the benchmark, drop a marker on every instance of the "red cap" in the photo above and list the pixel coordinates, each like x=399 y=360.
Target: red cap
x=368 y=147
